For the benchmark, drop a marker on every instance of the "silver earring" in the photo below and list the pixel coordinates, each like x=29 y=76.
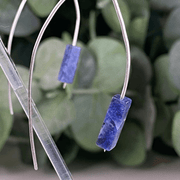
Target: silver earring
x=120 y=105
x=70 y=50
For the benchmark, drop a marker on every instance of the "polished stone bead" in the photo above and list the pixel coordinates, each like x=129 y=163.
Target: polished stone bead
x=69 y=64
x=113 y=122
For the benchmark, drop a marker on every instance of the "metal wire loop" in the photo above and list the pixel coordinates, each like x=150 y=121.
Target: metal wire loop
x=127 y=46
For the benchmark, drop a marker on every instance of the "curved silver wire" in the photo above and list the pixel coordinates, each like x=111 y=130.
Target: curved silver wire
x=34 y=52
x=9 y=46
x=127 y=46
x=78 y=19
x=31 y=135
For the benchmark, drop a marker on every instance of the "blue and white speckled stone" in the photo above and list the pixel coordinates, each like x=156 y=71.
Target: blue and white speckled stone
x=69 y=64
x=113 y=122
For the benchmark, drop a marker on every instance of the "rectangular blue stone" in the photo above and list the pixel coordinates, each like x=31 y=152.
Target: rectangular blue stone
x=113 y=122
x=69 y=64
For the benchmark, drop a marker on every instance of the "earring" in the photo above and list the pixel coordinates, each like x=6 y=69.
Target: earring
x=69 y=64
x=66 y=75
x=71 y=55
x=120 y=105
x=9 y=46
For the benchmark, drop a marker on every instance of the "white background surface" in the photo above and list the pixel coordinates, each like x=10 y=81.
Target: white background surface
x=164 y=169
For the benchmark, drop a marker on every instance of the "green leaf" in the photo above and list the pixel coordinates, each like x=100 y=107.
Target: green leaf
x=163 y=85
x=174 y=65
x=24 y=73
x=165 y=5
x=6 y=121
x=141 y=71
x=48 y=62
x=90 y=113
x=172 y=34
x=110 y=15
x=176 y=132
x=42 y=7
x=28 y=22
x=137 y=30
x=86 y=69
x=57 y=113
x=66 y=37
x=167 y=135
x=102 y=3
x=85 y=73
x=138 y=8
x=145 y=115
x=162 y=119
x=130 y=149
x=111 y=62
x=52 y=94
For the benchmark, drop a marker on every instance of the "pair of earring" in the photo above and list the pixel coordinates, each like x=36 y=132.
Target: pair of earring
x=119 y=106
x=118 y=109
x=71 y=50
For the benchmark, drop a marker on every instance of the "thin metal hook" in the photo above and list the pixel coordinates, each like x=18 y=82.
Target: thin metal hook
x=127 y=46
x=10 y=40
x=78 y=19
x=9 y=46
x=34 y=52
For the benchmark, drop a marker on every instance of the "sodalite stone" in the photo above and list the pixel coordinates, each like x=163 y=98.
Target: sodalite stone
x=113 y=122
x=69 y=64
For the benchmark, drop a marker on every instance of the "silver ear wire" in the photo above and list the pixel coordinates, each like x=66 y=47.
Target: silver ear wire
x=17 y=16
x=127 y=46
x=34 y=52
x=31 y=135
x=9 y=46
x=78 y=18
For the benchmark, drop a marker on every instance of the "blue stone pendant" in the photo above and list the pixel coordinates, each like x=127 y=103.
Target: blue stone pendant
x=69 y=64
x=113 y=122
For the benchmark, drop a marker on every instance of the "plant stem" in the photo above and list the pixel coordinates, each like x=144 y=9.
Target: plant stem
x=13 y=139
x=86 y=91
x=92 y=24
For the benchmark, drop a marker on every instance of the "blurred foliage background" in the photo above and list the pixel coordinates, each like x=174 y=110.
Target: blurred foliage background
x=74 y=116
